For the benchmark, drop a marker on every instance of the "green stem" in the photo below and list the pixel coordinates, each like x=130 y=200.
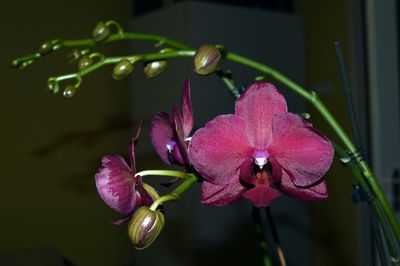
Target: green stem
x=372 y=201
x=260 y=235
x=178 y=174
x=175 y=194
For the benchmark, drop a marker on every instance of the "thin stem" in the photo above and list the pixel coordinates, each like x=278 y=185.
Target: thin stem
x=375 y=206
x=261 y=239
x=279 y=250
x=178 y=174
x=175 y=194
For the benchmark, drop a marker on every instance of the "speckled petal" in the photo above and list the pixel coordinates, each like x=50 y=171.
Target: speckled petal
x=219 y=149
x=186 y=109
x=304 y=153
x=315 y=192
x=261 y=195
x=257 y=107
x=221 y=195
x=115 y=184
x=162 y=132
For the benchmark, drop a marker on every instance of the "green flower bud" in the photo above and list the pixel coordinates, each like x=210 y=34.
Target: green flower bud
x=46 y=48
x=24 y=64
x=122 y=69
x=73 y=56
x=52 y=85
x=69 y=91
x=85 y=62
x=144 y=227
x=100 y=32
x=154 y=68
x=206 y=59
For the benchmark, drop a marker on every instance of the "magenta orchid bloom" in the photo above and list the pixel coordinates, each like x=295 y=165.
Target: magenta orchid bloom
x=119 y=186
x=258 y=150
x=169 y=131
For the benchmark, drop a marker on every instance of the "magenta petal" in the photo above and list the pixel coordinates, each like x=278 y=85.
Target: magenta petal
x=180 y=138
x=304 y=153
x=261 y=195
x=247 y=174
x=142 y=194
x=219 y=149
x=136 y=134
x=162 y=132
x=221 y=195
x=257 y=107
x=316 y=192
x=186 y=109
x=115 y=184
x=122 y=221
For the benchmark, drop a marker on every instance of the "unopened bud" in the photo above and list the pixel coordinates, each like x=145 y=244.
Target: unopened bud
x=85 y=62
x=154 y=68
x=52 y=85
x=145 y=226
x=206 y=59
x=100 y=32
x=69 y=91
x=73 y=56
x=46 y=48
x=122 y=69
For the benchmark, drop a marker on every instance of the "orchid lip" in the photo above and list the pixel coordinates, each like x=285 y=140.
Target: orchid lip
x=260 y=159
x=170 y=145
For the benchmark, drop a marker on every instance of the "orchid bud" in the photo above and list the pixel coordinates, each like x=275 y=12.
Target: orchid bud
x=69 y=91
x=206 y=59
x=85 y=62
x=144 y=227
x=154 y=68
x=46 y=48
x=73 y=56
x=122 y=69
x=52 y=85
x=100 y=32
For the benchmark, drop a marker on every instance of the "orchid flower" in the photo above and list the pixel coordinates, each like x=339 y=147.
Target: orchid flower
x=120 y=187
x=260 y=151
x=170 y=131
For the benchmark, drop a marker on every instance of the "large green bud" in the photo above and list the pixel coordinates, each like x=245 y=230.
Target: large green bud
x=145 y=226
x=206 y=59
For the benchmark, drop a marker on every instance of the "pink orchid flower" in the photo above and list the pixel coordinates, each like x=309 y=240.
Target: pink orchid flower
x=259 y=151
x=119 y=186
x=169 y=131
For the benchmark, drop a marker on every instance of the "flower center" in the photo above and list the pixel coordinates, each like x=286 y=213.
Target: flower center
x=260 y=158
x=170 y=146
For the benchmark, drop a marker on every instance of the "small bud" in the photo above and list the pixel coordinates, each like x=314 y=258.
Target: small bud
x=52 y=85
x=122 y=69
x=85 y=62
x=46 y=48
x=206 y=59
x=24 y=64
x=69 y=91
x=73 y=56
x=154 y=68
x=100 y=32
x=144 y=227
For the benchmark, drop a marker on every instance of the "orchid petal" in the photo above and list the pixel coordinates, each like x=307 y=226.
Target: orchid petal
x=161 y=133
x=186 y=109
x=180 y=138
x=144 y=196
x=115 y=184
x=136 y=134
x=315 y=192
x=220 y=195
x=247 y=174
x=219 y=149
x=122 y=220
x=304 y=153
x=257 y=106
x=261 y=195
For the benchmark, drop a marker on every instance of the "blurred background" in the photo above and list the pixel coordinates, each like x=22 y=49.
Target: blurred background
x=52 y=146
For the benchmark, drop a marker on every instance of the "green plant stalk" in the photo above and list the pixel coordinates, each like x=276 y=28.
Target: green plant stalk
x=376 y=207
x=309 y=96
x=175 y=194
x=260 y=235
x=173 y=173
